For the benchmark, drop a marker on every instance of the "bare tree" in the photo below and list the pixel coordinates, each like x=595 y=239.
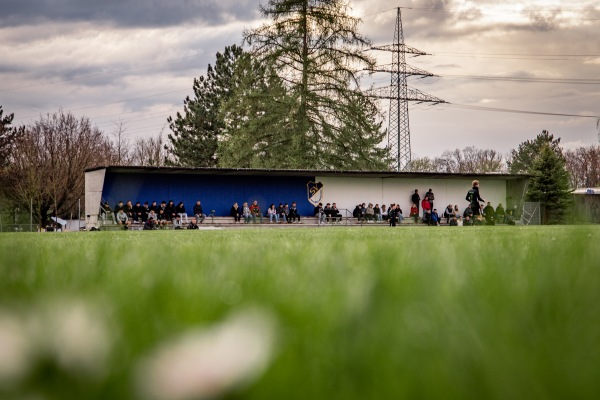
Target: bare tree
x=122 y=153
x=470 y=160
x=149 y=152
x=583 y=165
x=49 y=161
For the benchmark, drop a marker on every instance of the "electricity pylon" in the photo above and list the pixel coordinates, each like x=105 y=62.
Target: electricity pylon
x=400 y=94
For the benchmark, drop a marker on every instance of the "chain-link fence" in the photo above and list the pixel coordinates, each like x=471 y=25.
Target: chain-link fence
x=532 y=214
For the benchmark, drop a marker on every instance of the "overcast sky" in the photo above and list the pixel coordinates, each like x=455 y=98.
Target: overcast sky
x=134 y=61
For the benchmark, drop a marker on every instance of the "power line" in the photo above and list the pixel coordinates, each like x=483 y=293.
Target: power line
x=570 y=81
x=506 y=110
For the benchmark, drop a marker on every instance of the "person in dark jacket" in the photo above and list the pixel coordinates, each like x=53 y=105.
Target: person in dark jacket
x=180 y=210
x=416 y=199
x=293 y=214
x=236 y=213
x=199 y=212
x=170 y=211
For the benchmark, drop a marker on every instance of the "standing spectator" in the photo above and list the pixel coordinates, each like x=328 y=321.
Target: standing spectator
x=293 y=215
x=199 y=212
x=392 y=215
x=256 y=213
x=246 y=213
x=235 y=212
x=431 y=197
x=426 y=206
x=474 y=198
x=416 y=199
x=272 y=213
x=181 y=212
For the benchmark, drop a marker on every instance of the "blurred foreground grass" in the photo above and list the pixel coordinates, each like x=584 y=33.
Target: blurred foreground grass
x=358 y=313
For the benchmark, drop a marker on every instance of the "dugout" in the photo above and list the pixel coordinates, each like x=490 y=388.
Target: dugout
x=219 y=188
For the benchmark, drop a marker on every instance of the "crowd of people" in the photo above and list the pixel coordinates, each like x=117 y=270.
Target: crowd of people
x=154 y=216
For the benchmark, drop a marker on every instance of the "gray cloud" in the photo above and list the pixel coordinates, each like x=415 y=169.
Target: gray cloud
x=126 y=13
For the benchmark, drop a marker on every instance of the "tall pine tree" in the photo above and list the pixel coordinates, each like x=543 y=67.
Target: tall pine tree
x=522 y=159
x=549 y=185
x=194 y=138
x=315 y=48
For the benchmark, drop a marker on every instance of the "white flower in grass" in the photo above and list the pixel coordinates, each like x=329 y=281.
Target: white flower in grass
x=14 y=350
x=206 y=363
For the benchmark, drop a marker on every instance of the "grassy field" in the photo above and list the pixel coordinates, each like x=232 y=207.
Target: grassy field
x=331 y=313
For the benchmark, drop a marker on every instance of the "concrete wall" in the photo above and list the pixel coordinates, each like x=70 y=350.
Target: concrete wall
x=94 y=184
x=347 y=192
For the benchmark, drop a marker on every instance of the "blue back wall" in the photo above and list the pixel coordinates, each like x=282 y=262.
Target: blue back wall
x=216 y=192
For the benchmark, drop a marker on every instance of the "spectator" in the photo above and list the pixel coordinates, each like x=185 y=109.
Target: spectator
x=459 y=221
x=414 y=212
x=163 y=206
x=235 y=212
x=468 y=221
x=468 y=213
x=137 y=211
x=319 y=212
x=370 y=213
x=392 y=215
x=335 y=213
x=457 y=212
x=357 y=213
x=377 y=212
x=161 y=218
x=272 y=213
x=448 y=213
x=128 y=208
x=119 y=207
x=152 y=215
x=281 y=212
x=181 y=212
x=170 y=211
x=256 y=213
x=293 y=215
x=154 y=207
x=431 y=197
x=453 y=221
x=246 y=213
x=488 y=211
x=286 y=212
x=416 y=199
x=177 y=222
x=399 y=215
x=106 y=211
x=426 y=206
x=193 y=225
x=122 y=219
x=384 y=212
x=435 y=218
x=500 y=214
x=145 y=211
x=150 y=223
x=199 y=212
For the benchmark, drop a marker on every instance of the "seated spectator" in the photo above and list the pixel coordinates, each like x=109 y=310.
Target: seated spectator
x=457 y=212
x=414 y=212
x=357 y=213
x=286 y=212
x=377 y=212
x=180 y=209
x=468 y=213
x=488 y=212
x=122 y=219
x=152 y=215
x=192 y=225
x=426 y=206
x=150 y=223
x=384 y=212
x=199 y=212
x=293 y=215
x=170 y=211
x=500 y=214
x=128 y=208
x=235 y=212
x=246 y=213
x=119 y=206
x=105 y=211
x=256 y=213
x=335 y=214
x=459 y=221
x=392 y=215
x=161 y=218
x=327 y=211
x=154 y=207
x=509 y=218
x=434 y=218
x=453 y=221
x=137 y=212
x=281 y=211
x=370 y=213
x=145 y=211
x=319 y=212
x=448 y=213
x=177 y=222
x=272 y=213
x=468 y=221
x=399 y=215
